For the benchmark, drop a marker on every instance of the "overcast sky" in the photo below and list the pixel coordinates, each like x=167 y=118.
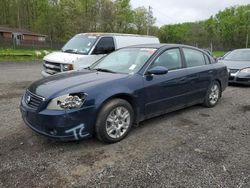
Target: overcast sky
x=179 y=11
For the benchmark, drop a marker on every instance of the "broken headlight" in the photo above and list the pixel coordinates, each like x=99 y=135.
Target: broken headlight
x=67 y=102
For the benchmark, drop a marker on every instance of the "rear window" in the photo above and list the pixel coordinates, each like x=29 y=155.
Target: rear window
x=193 y=57
x=207 y=59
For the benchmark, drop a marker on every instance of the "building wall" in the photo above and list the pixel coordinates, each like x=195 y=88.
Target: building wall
x=25 y=37
x=30 y=38
x=7 y=35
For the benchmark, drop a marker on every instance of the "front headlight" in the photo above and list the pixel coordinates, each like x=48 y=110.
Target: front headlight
x=66 y=102
x=67 y=67
x=246 y=70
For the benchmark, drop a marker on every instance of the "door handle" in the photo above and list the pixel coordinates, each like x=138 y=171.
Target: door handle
x=211 y=71
x=183 y=80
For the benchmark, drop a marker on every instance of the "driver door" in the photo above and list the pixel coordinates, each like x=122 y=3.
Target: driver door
x=167 y=91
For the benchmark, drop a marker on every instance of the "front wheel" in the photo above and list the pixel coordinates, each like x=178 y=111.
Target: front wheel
x=213 y=95
x=114 y=121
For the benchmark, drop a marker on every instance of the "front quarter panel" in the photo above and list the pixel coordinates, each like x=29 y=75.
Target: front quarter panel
x=131 y=86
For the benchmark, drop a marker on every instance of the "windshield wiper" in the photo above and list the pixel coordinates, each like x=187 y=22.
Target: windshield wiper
x=87 y=68
x=73 y=51
x=104 y=70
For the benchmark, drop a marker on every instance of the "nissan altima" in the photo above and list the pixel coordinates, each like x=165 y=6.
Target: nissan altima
x=238 y=63
x=122 y=89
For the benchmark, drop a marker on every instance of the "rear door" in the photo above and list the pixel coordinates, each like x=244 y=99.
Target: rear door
x=200 y=73
x=164 y=92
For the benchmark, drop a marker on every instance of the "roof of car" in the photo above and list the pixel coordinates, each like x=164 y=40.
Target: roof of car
x=242 y=49
x=157 y=46
x=115 y=34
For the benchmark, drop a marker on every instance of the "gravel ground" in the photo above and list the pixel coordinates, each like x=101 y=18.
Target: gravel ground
x=194 y=147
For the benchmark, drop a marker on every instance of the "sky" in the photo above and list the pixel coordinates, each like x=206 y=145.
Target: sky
x=179 y=11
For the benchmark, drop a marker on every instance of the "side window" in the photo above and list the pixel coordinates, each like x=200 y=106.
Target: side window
x=207 y=59
x=193 y=57
x=105 y=46
x=171 y=59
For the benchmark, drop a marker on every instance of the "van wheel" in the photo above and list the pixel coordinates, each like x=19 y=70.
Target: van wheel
x=114 y=121
x=213 y=95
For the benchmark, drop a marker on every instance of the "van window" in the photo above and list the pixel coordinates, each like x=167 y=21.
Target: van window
x=105 y=46
x=193 y=57
x=171 y=59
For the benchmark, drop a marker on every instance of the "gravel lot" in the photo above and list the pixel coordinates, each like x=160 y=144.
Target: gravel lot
x=194 y=147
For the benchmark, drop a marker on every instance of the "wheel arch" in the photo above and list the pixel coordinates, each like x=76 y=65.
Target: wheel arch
x=219 y=81
x=125 y=96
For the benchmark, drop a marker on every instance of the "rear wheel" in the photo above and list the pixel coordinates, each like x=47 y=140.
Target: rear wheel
x=114 y=121
x=213 y=95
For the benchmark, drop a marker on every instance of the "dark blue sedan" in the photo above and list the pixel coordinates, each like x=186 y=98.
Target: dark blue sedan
x=122 y=89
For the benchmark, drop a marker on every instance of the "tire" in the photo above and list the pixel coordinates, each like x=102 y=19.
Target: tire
x=114 y=121
x=213 y=95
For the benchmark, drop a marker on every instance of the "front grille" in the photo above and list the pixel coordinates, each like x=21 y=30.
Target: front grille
x=52 y=68
x=32 y=100
x=243 y=79
x=233 y=70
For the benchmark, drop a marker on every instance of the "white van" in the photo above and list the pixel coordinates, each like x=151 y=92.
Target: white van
x=84 y=49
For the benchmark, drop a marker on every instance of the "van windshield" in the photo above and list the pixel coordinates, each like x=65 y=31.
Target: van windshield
x=80 y=44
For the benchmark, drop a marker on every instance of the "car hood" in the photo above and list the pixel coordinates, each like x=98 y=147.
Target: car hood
x=236 y=64
x=66 y=82
x=63 y=57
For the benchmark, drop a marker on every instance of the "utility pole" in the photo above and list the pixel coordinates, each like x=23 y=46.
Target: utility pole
x=150 y=15
x=248 y=28
x=247 y=39
x=18 y=14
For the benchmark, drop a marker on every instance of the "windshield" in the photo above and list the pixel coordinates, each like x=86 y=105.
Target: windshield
x=238 y=55
x=80 y=44
x=127 y=60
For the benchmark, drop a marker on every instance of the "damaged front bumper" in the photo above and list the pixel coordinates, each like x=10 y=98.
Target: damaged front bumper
x=60 y=125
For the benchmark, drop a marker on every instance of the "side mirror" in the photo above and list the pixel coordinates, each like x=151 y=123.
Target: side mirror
x=98 y=50
x=158 y=70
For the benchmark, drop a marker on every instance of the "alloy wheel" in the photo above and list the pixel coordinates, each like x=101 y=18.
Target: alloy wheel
x=214 y=94
x=118 y=122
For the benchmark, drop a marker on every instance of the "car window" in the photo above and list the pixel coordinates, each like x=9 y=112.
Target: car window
x=207 y=59
x=127 y=60
x=106 y=45
x=193 y=57
x=171 y=59
x=238 y=55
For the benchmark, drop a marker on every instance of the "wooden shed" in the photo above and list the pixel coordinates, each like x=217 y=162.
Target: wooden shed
x=21 y=36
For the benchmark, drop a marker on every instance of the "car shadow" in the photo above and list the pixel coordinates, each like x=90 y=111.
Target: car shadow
x=238 y=85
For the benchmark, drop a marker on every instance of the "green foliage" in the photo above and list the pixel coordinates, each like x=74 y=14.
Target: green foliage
x=226 y=30
x=61 y=19
x=22 y=54
x=218 y=54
